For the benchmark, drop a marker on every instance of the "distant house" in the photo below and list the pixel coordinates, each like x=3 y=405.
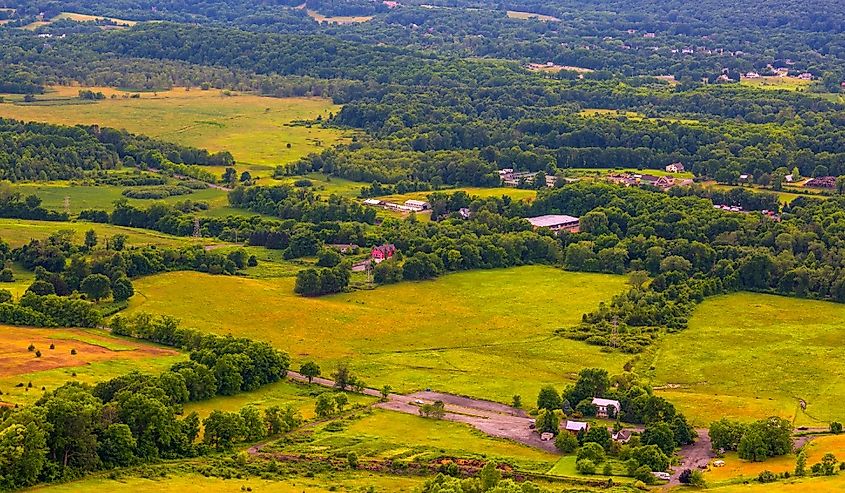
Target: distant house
x=576 y=426
x=417 y=205
x=622 y=436
x=789 y=178
x=805 y=76
x=464 y=213
x=752 y=75
x=555 y=222
x=383 y=252
x=675 y=168
x=372 y=202
x=649 y=35
x=344 y=247
x=603 y=406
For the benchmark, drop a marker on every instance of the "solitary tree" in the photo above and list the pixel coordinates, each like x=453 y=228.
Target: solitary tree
x=90 y=238
x=310 y=370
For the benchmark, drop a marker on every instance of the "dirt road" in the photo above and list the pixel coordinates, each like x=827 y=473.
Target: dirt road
x=693 y=456
x=492 y=418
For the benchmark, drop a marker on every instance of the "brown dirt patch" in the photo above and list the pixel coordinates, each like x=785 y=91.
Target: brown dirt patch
x=16 y=359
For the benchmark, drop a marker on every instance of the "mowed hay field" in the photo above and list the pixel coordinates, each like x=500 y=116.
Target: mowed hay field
x=480 y=333
x=255 y=129
x=829 y=484
x=748 y=356
x=98 y=357
x=190 y=483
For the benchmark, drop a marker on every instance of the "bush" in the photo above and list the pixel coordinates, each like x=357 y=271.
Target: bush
x=643 y=473
x=6 y=275
x=585 y=466
x=766 y=477
x=592 y=451
x=835 y=426
x=566 y=442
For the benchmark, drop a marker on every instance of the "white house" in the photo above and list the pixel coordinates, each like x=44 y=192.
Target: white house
x=675 y=168
x=603 y=406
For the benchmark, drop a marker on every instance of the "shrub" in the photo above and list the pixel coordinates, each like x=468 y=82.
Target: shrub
x=585 y=466
x=6 y=275
x=766 y=477
x=566 y=442
x=592 y=451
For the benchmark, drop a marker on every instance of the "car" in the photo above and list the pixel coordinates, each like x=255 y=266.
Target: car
x=419 y=402
x=665 y=476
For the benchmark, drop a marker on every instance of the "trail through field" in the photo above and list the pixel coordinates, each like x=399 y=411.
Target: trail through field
x=494 y=419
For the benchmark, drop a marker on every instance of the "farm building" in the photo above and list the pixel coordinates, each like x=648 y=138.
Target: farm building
x=675 y=168
x=603 y=407
x=383 y=252
x=372 y=202
x=576 y=426
x=344 y=247
x=622 y=436
x=821 y=182
x=555 y=222
x=417 y=205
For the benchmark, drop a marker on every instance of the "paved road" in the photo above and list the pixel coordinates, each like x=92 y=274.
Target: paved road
x=492 y=418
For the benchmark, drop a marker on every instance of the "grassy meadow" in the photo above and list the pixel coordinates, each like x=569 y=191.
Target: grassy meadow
x=777 y=83
x=386 y=435
x=255 y=129
x=338 y=19
x=17 y=232
x=456 y=333
x=516 y=14
x=514 y=193
x=276 y=394
x=195 y=483
x=748 y=356
x=98 y=357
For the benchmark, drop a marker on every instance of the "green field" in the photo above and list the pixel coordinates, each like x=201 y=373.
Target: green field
x=255 y=129
x=774 y=82
x=83 y=196
x=16 y=233
x=480 y=333
x=383 y=435
x=748 y=356
x=276 y=394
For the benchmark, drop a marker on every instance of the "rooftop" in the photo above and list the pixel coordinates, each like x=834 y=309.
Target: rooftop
x=605 y=402
x=551 y=220
x=575 y=425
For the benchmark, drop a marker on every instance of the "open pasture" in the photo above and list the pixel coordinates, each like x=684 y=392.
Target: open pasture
x=514 y=193
x=737 y=468
x=71 y=16
x=480 y=333
x=84 y=196
x=99 y=356
x=195 y=483
x=748 y=356
x=17 y=232
x=338 y=19
x=777 y=83
x=386 y=435
x=282 y=393
x=255 y=129
x=516 y=14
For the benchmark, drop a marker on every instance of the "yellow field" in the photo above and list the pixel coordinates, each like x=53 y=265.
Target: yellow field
x=99 y=357
x=455 y=333
x=195 y=483
x=515 y=14
x=831 y=484
x=514 y=193
x=340 y=19
x=255 y=129
x=774 y=82
x=87 y=18
x=737 y=468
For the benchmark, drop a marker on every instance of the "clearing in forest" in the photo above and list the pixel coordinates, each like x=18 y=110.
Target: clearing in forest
x=255 y=129
x=748 y=356
x=516 y=14
x=485 y=333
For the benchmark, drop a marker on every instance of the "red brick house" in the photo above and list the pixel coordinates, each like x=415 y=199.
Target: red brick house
x=383 y=252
